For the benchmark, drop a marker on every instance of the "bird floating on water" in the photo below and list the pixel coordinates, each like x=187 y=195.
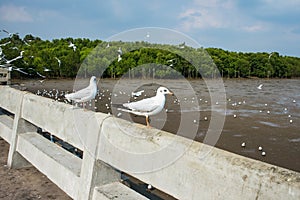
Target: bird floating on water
x=84 y=94
x=149 y=106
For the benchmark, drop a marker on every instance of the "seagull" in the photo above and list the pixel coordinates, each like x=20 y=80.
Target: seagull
x=84 y=94
x=46 y=69
x=107 y=46
x=137 y=94
x=16 y=58
x=119 y=54
x=59 y=61
x=181 y=46
x=25 y=42
x=119 y=58
x=270 y=55
x=120 y=51
x=40 y=75
x=4 y=44
x=73 y=46
x=260 y=86
x=19 y=70
x=10 y=34
x=149 y=106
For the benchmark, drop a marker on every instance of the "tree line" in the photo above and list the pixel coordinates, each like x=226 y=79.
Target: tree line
x=68 y=57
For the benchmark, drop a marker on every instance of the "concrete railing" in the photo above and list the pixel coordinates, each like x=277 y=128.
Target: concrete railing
x=110 y=146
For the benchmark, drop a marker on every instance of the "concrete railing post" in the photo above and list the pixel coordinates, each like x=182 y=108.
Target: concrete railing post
x=94 y=172
x=15 y=160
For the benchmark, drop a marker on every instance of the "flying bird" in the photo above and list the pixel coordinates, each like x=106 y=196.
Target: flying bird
x=59 y=61
x=4 y=44
x=119 y=58
x=137 y=94
x=9 y=34
x=16 y=58
x=47 y=70
x=84 y=94
x=19 y=70
x=270 y=55
x=149 y=106
x=72 y=46
x=260 y=86
x=119 y=54
x=120 y=51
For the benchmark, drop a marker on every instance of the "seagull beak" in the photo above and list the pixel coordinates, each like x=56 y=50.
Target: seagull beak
x=171 y=93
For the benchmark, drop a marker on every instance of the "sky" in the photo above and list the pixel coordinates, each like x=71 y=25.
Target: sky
x=234 y=25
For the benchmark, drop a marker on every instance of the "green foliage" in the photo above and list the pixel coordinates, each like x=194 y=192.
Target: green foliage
x=140 y=59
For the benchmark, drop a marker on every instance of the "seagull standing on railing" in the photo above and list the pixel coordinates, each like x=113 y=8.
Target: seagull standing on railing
x=148 y=107
x=84 y=94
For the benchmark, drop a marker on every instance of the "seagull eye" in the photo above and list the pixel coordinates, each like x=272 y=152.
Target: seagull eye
x=165 y=90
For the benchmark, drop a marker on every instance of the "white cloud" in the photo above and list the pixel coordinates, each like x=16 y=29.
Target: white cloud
x=11 y=13
x=216 y=14
x=208 y=14
x=254 y=28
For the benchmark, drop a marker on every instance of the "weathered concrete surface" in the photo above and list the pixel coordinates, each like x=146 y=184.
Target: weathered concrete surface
x=6 y=125
x=60 y=166
x=218 y=175
x=170 y=163
x=116 y=191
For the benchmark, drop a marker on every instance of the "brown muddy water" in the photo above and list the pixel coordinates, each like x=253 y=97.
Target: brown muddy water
x=268 y=117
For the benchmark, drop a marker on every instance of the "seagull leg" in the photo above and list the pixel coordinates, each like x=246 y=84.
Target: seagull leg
x=147 y=121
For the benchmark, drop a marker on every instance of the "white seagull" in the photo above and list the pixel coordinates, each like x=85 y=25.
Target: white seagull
x=16 y=58
x=9 y=34
x=84 y=94
x=270 y=55
x=120 y=51
x=59 y=61
x=4 y=44
x=137 y=94
x=47 y=70
x=260 y=86
x=119 y=54
x=73 y=46
x=119 y=58
x=18 y=69
x=148 y=107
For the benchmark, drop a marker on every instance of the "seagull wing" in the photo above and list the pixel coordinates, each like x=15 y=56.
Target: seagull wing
x=81 y=95
x=144 y=105
x=5 y=31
